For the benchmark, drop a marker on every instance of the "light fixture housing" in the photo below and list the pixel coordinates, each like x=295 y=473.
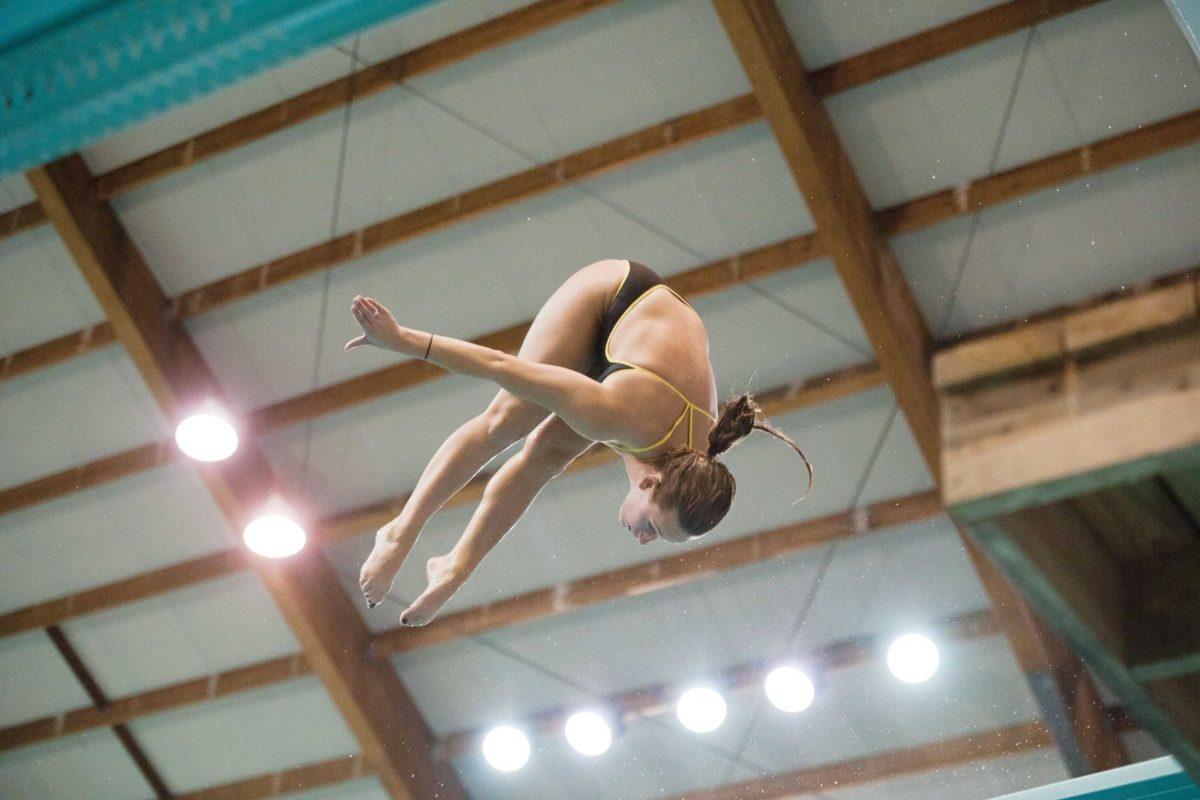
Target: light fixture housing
x=208 y=434
x=789 y=689
x=275 y=533
x=506 y=748
x=589 y=733
x=701 y=709
x=913 y=658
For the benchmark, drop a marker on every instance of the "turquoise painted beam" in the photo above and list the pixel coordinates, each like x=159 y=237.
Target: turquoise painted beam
x=74 y=71
x=1187 y=14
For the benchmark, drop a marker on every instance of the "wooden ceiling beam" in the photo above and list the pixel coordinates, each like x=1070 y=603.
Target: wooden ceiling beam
x=844 y=220
x=912 y=215
x=851 y=233
x=889 y=59
x=333 y=636
x=538 y=604
x=303 y=778
x=656 y=700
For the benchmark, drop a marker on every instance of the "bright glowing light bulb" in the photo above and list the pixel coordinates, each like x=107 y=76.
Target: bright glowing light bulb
x=207 y=436
x=701 y=709
x=789 y=689
x=275 y=534
x=589 y=733
x=913 y=658
x=506 y=748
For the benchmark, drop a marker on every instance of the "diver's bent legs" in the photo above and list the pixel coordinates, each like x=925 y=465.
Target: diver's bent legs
x=547 y=452
x=459 y=458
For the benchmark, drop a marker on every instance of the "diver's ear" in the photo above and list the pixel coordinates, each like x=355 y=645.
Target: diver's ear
x=649 y=482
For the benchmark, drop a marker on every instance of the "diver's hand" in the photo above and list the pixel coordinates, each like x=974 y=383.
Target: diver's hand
x=379 y=327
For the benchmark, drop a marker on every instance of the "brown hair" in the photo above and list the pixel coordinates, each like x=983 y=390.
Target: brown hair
x=699 y=487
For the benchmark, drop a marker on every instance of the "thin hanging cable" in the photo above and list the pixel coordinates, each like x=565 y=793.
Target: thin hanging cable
x=619 y=210
x=327 y=279
x=940 y=330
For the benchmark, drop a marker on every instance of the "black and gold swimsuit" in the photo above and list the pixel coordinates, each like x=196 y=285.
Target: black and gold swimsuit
x=639 y=282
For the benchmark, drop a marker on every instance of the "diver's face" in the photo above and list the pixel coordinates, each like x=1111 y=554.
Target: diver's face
x=645 y=519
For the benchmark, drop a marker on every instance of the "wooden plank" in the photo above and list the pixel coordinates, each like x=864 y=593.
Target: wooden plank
x=334 y=639
x=100 y=701
x=624 y=582
x=1074 y=330
x=331 y=96
x=944 y=40
x=887 y=765
x=1119 y=410
x=56 y=351
x=1046 y=173
x=275 y=784
x=20 y=219
x=155 y=701
x=911 y=215
x=844 y=219
x=663 y=573
x=655 y=700
x=590 y=162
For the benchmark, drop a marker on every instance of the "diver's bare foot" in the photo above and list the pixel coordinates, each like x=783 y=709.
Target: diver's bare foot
x=444 y=579
x=379 y=570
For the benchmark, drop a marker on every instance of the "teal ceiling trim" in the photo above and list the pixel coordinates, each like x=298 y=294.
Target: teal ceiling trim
x=74 y=71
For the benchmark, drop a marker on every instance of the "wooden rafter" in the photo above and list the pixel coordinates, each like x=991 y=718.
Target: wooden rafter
x=779 y=400
x=655 y=700
x=912 y=215
x=871 y=274
x=543 y=603
x=377 y=708
x=889 y=59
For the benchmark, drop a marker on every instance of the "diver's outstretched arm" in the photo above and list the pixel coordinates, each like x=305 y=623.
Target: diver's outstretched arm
x=592 y=409
x=546 y=453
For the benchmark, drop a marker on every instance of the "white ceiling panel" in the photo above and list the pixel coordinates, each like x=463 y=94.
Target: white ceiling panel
x=246 y=734
x=863 y=709
x=773 y=609
x=44 y=295
x=899 y=468
x=603 y=75
x=718 y=197
x=143 y=522
x=832 y=30
x=363 y=789
x=814 y=291
x=1121 y=227
x=15 y=191
x=428 y=23
x=63 y=416
x=200 y=630
x=255 y=204
x=218 y=108
x=36 y=680
x=92 y=765
x=929 y=127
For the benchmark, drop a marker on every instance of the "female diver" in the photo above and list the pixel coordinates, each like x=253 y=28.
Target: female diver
x=614 y=356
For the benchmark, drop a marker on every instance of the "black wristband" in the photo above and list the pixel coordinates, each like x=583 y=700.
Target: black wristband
x=428 y=348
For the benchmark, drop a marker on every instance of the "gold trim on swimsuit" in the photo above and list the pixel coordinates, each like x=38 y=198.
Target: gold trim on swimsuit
x=689 y=408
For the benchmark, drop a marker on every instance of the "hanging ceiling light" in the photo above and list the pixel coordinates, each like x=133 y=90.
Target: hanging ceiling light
x=207 y=435
x=913 y=658
x=588 y=732
x=506 y=748
x=275 y=533
x=789 y=689
x=701 y=709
